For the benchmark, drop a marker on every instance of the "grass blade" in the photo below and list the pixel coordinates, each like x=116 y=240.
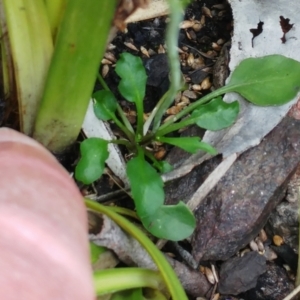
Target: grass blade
x=31 y=48
x=80 y=45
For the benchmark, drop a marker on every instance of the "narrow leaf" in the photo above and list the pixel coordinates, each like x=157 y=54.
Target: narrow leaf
x=93 y=156
x=172 y=222
x=146 y=186
x=105 y=105
x=189 y=144
x=133 y=77
x=216 y=114
x=269 y=80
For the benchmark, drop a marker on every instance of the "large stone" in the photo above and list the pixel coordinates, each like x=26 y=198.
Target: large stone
x=240 y=274
x=239 y=206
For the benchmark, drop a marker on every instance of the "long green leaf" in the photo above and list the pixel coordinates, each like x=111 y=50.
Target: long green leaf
x=113 y=280
x=172 y=282
x=80 y=44
x=55 y=10
x=30 y=50
x=269 y=80
x=189 y=144
x=176 y=16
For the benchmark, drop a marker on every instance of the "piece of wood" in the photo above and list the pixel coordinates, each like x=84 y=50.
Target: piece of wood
x=156 y=8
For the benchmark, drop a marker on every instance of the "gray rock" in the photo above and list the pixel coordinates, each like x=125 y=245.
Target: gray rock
x=240 y=274
x=274 y=284
x=239 y=206
x=284 y=222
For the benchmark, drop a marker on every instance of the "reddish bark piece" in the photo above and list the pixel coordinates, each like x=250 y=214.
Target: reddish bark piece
x=285 y=26
x=238 y=207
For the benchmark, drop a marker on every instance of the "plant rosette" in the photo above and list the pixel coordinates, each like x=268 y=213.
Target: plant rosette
x=254 y=79
x=44 y=251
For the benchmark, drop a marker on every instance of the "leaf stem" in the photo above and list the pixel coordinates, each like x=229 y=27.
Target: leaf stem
x=152 y=158
x=174 y=127
x=125 y=212
x=119 y=109
x=122 y=142
x=153 y=113
x=194 y=105
x=140 y=120
x=176 y=9
x=128 y=133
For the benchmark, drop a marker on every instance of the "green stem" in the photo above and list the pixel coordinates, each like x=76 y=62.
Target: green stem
x=172 y=282
x=126 y=143
x=154 y=111
x=152 y=158
x=114 y=280
x=128 y=133
x=102 y=82
x=194 y=105
x=125 y=212
x=119 y=109
x=140 y=119
x=174 y=127
x=176 y=9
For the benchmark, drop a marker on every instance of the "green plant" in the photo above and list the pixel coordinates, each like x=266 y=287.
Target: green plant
x=51 y=51
x=132 y=278
x=254 y=79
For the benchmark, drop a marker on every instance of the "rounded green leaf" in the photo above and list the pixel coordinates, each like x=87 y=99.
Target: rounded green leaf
x=105 y=105
x=171 y=222
x=189 y=144
x=146 y=186
x=269 y=80
x=94 y=153
x=216 y=114
x=133 y=77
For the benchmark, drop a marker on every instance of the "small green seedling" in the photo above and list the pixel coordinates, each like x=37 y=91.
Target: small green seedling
x=254 y=79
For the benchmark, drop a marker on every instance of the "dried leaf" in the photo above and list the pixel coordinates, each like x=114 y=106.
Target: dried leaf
x=125 y=9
